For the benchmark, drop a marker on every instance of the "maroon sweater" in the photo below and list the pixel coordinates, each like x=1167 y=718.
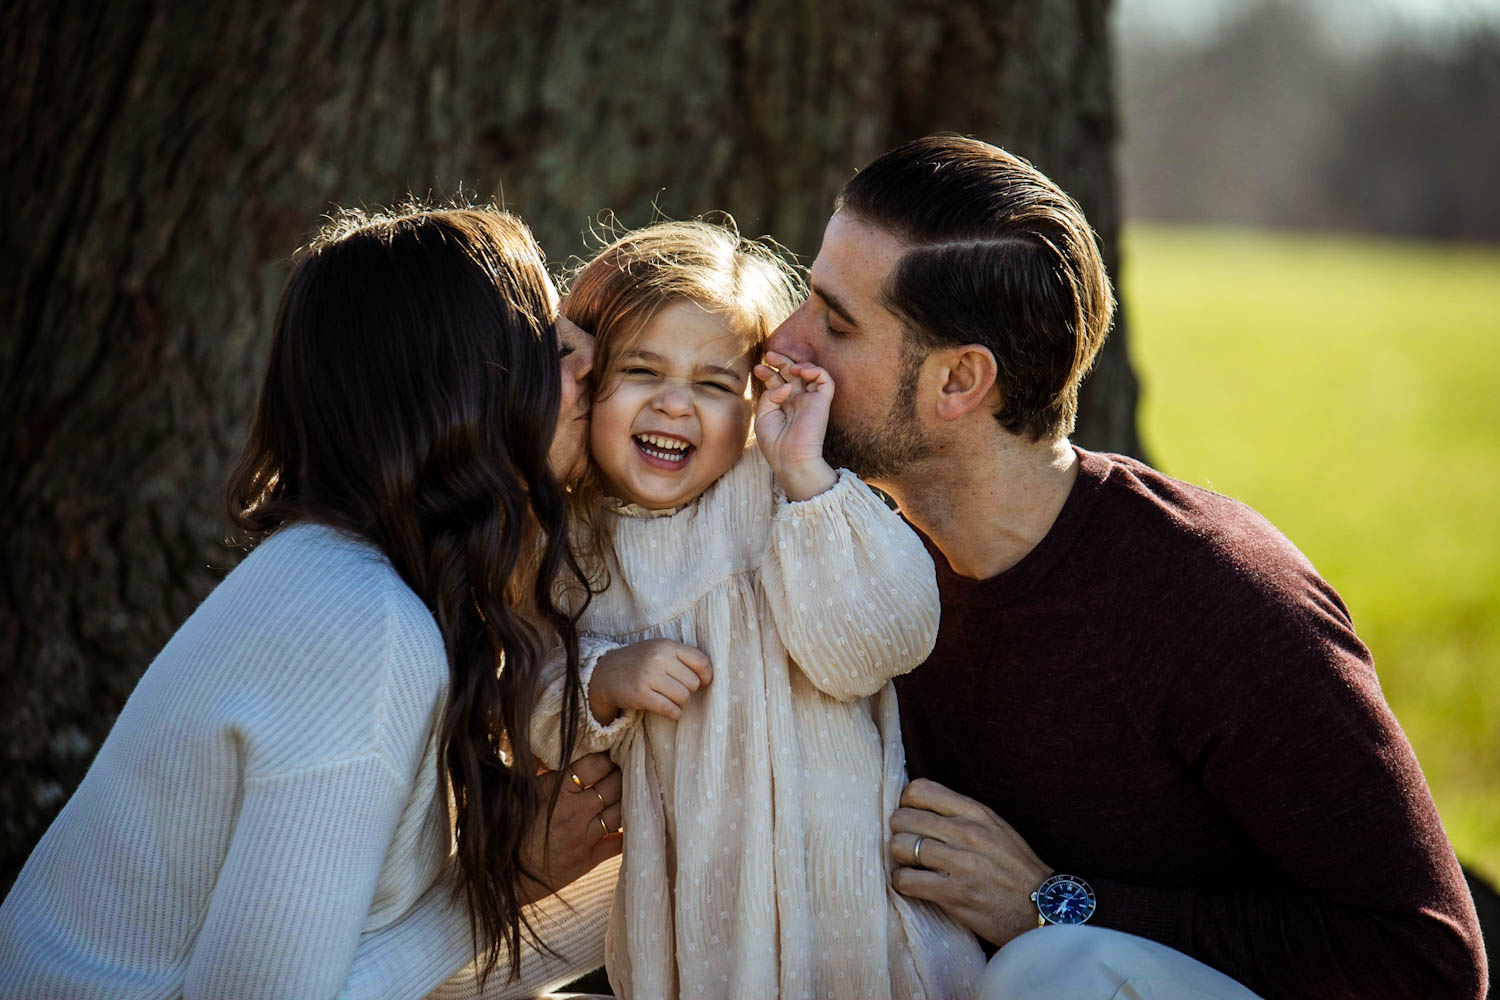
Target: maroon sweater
x=1165 y=698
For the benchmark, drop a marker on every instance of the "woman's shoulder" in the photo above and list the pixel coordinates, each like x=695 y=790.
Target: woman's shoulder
x=328 y=579
x=315 y=625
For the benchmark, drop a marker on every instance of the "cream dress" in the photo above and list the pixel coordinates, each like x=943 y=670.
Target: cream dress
x=756 y=861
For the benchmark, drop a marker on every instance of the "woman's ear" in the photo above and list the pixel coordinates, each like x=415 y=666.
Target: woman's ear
x=966 y=380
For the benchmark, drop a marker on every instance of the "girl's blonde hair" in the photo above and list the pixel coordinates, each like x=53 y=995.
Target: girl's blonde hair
x=750 y=283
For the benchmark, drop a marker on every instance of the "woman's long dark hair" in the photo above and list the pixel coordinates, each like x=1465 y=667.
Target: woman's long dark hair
x=410 y=399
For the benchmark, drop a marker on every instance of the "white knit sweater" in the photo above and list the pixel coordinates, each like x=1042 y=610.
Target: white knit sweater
x=756 y=827
x=263 y=820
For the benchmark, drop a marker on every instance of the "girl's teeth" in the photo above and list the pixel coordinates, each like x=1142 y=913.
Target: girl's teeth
x=665 y=444
x=663 y=448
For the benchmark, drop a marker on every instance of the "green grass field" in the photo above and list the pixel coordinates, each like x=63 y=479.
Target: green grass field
x=1350 y=391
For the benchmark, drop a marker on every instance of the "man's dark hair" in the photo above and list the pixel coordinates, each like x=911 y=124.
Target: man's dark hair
x=997 y=255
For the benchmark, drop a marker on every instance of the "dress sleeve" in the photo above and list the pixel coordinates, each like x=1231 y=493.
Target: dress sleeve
x=1314 y=768
x=546 y=721
x=851 y=588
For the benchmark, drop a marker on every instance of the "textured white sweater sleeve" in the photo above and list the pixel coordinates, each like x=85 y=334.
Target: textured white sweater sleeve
x=432 y=940
x=323 y=830
x=852 y=589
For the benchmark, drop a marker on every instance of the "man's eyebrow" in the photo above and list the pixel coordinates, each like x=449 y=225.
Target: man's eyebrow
x=833 y=303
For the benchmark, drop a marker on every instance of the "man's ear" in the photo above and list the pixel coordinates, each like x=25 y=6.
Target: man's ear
x=966 y=380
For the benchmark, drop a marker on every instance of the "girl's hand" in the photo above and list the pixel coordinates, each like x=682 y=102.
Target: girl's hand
x=656 y=675
x=790 y=422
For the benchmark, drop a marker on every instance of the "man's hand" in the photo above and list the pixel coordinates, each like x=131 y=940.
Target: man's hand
x=585 y=828
x=790 y=421
x=973 y=864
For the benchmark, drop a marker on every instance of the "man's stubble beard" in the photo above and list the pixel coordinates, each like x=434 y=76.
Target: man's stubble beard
x=893 y=447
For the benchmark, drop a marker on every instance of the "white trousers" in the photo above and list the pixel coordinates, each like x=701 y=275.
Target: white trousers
x=1093 y=963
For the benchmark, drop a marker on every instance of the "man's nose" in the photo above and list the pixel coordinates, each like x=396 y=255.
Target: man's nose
x=790 y=338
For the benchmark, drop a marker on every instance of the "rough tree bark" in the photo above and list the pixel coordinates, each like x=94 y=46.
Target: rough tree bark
x=163 y=165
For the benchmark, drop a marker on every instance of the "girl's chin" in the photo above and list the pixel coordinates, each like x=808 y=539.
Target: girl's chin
x=659 y=499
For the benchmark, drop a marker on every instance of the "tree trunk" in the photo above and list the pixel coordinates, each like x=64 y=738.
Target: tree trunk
x=163 y=168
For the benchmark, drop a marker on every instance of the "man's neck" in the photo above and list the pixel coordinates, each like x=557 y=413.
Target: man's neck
x=987 y=507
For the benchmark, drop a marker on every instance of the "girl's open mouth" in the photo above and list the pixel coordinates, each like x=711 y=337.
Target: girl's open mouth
x=662 y=452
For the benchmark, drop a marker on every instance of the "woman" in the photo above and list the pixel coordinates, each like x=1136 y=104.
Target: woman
x=268 y=817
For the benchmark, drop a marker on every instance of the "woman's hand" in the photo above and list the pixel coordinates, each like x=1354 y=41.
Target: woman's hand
x=656 y=675
x=585 y=827
x=790 y=422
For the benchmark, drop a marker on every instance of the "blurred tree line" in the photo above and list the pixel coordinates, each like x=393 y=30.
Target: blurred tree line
x=1274 y=121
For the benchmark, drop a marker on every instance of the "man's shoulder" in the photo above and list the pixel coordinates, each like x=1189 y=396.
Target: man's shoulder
x=1195 y=536
x=1155 y=505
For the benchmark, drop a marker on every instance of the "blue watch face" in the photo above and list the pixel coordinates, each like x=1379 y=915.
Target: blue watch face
x=1064 y=899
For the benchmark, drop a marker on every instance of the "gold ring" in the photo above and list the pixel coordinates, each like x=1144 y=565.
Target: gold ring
x=576 y=779
x=916 y=852
x=602 y=805
x=603 y=826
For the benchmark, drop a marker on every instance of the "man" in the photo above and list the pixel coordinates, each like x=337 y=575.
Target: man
x=1138 y=685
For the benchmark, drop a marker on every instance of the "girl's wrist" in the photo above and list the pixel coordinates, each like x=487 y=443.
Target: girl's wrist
x=603 y=710
x=601 y=706
x=807 y=480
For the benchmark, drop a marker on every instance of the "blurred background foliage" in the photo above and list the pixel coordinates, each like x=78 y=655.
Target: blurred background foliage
x=1311 y=267
x=1375 y=116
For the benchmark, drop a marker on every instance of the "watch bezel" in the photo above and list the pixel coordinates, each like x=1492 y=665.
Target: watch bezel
x=1058 y=877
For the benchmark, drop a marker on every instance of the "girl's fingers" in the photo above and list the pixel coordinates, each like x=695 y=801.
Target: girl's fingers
x=770 y=376
x=783 y=392
x=693 y=656
x=673 y=689
x=813 y=376
x=660 y=704
x=699 y=664
x=686 y=676
x=775 y=359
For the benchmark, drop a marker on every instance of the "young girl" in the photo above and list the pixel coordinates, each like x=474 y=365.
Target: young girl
x=760 y=777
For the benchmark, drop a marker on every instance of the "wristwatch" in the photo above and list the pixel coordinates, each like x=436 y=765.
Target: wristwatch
x=1063 y=899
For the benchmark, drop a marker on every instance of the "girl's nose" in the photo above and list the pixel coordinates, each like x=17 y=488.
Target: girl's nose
x=673 y=400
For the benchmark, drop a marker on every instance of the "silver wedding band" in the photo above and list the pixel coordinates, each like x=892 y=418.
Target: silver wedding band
x=916 y=851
